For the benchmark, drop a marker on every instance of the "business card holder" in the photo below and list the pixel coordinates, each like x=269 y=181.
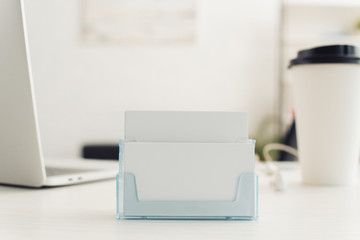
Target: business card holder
x=187 y=180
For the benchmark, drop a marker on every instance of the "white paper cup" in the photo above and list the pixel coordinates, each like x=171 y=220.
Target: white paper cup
x=326 y=83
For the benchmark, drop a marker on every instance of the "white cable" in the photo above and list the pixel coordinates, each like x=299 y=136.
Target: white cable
x=277 y=146
x=279 y=182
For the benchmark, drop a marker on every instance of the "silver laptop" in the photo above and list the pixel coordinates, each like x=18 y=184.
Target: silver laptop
x=21 y=159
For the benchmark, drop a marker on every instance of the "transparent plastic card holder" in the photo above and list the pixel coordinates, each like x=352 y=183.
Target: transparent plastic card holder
x=187 y=180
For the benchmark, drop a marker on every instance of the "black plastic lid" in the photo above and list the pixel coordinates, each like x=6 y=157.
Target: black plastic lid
x=327 y=54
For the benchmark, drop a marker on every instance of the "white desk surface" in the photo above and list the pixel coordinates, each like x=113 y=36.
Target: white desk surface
x=88 y=212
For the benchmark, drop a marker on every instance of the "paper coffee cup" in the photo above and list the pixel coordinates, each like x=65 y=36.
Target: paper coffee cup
x=326 y=85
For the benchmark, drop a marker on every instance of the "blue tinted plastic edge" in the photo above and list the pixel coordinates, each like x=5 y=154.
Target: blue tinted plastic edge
x=256 y=217
x=119 y=178
x=185 y=218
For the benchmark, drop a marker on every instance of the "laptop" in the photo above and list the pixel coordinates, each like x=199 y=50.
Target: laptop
x=21 y=157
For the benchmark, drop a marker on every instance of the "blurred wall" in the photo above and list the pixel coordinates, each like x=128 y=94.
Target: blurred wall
x=83 y=89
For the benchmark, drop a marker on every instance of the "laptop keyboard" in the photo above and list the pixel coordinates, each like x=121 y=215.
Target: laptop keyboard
x=56 y=171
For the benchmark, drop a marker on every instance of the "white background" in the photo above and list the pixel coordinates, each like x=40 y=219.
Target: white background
x=83 y=89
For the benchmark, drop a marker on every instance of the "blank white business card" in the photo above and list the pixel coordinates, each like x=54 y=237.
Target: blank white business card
x=181 y=126
x=188 y=171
